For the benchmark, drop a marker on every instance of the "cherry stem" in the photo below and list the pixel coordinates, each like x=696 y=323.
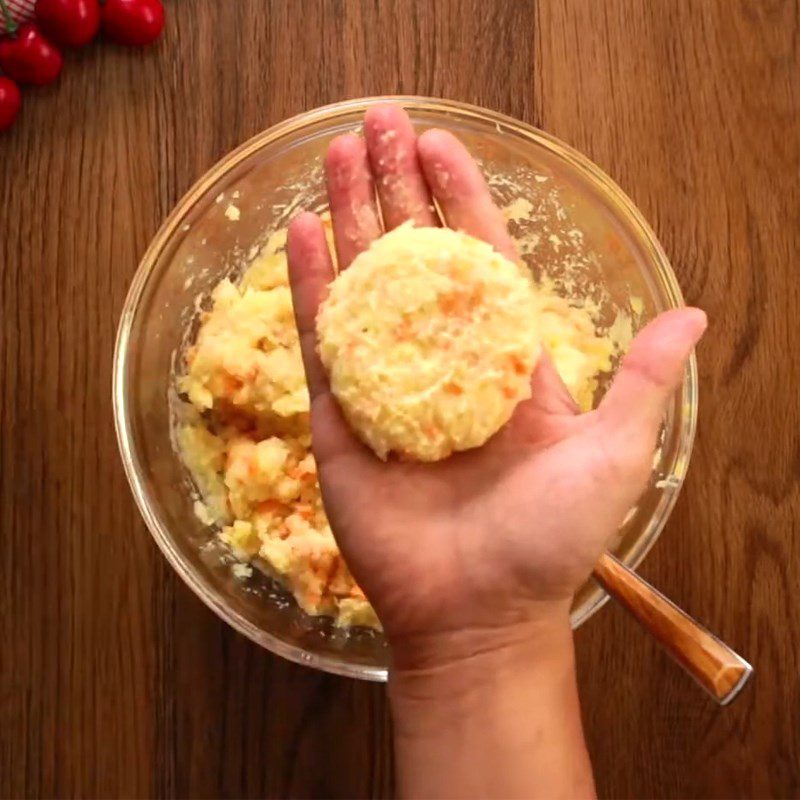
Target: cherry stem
x=11 y=26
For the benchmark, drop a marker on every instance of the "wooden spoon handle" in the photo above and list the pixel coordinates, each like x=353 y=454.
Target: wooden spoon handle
x=717 y=668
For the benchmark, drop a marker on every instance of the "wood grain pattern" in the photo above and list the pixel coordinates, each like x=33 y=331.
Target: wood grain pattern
x=712 y=663
x=114 y=680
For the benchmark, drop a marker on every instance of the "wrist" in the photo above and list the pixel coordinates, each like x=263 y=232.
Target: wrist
x=429 y=651
x=499 y=708
x=442 y=666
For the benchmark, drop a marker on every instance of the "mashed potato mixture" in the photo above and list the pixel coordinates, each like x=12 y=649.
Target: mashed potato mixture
x=430 y=338
x=245 y=436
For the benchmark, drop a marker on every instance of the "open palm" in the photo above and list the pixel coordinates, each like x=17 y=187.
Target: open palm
x=483 y=538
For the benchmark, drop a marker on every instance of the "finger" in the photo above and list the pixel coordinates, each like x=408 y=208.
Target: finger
x=310 y=272
x=461 y=191
x=392 y=149
x=351 y=194
x=650 y=374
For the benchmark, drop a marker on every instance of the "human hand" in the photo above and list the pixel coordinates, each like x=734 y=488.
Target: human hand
x=493 y=537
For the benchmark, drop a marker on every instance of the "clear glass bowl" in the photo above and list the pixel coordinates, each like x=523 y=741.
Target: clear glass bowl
x=268 y=179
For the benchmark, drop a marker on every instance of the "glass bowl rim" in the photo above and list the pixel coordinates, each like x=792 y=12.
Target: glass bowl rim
x=329 y=113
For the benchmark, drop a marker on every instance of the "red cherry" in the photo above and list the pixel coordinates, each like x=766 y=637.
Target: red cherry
x=132 y=22
x=71 y=23
x=10 y=102
x=28 y=57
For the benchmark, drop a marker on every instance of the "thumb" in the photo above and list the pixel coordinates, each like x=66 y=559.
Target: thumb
x=650 y=373
x=310 y=272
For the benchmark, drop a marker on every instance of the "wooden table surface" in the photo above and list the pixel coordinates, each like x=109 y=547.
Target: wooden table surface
x=116 y=681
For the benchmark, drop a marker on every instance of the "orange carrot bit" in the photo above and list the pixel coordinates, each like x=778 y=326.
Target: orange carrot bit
x=508 y=392
x=454 y=304
x=453 y=388
x=429 y=430
x=403 y=331
x=231 y=384
x=297 y=474
x=476 y=297
x=269 y=506
x=518 y=366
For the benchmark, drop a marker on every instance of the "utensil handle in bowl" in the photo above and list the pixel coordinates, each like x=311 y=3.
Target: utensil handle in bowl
x=714 y=665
